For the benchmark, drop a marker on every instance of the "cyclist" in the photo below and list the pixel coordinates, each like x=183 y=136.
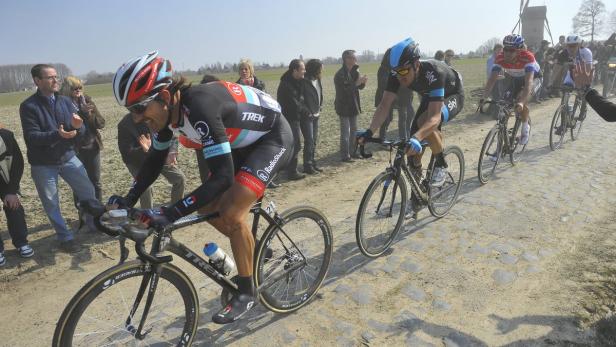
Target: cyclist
x=442 y=98
x=245 y=140
x=577 y=55
x=520 y=70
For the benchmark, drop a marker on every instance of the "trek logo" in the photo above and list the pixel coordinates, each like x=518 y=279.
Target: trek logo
x=264 y=174
x=253 y=117
x=452 y=104
x=189 y=201
x=430 y=77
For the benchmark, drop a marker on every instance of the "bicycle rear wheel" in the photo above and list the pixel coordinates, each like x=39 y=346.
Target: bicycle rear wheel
x=517 y=148
x=99 y=314
x=441 y=199
x=381 y=214
x=289 y=276
x=557 y=128
x=490 y=155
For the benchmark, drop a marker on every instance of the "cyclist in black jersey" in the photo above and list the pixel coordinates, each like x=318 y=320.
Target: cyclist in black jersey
x=245 y=141
x=442 y=98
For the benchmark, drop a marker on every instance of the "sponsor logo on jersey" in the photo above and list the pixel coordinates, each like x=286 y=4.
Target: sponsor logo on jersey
x=452 y=104
x=430 y=77
x=189 y=201
x=202 y=128
x=265 y=173
x=234 y=88
x=253 y=117
x=207 y=141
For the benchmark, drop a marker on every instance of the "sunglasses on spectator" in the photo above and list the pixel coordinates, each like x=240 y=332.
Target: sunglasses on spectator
x=77 y=88
x=403 y=71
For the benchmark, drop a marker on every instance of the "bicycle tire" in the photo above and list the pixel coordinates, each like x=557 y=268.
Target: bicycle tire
x=383 y=240
x=576 y=128
x=489 y=158
x=556 y=140
x=516 y=148
x=450 y=185
x=101 y=284
x=300 y=239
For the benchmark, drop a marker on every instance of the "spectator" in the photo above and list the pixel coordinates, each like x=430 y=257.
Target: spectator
x=490 y=63
x=449 y=54
x=89 y=146
x=541 y=59
x=11 y=170
x=583 y=78
x=51 y=128
x=439 y=55
x=290 y=95
x=560 y=57
x=348 y=82
x=247 y=75
x=310 y=122
x=134 y=141
x=382 y=75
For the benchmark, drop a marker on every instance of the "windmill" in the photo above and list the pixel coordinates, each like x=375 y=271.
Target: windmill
x=532 y=23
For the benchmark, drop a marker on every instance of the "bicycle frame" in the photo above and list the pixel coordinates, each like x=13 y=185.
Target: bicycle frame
x=163 y=241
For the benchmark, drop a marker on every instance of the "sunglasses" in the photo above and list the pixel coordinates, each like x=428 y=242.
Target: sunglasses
x=77 y=88
x=140 y=107
x=401 y=71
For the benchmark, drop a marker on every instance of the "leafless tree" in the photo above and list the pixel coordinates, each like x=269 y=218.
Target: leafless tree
x=589 y=19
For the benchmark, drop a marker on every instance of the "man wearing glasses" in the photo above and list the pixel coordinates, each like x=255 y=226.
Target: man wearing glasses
x=520 y=69
x=442 y=98
x=51 y=126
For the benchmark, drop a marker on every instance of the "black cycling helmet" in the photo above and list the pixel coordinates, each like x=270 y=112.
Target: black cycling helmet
x=403 y=53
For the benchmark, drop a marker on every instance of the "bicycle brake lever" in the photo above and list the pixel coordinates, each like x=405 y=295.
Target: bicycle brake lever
x=123 y=250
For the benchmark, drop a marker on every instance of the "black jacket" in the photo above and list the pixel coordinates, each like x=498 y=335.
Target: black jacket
x=128 y=141
x=11 y=164
x=290 y=96
x=311 y=96
x=347 y=93
x=256 y=84
x=40 y=124
x=605 y=109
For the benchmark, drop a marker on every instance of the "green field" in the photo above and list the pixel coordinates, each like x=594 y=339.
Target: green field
x=116 y=178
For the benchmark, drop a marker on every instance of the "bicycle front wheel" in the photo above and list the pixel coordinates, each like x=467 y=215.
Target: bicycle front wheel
x=292 y=260
x=557 y=128
x=490 y=155
x=441 y=199
x=100 y=313
x=517 y=148
x=381 y=214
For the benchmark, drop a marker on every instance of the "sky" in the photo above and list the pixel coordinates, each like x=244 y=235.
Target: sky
x=101 y=35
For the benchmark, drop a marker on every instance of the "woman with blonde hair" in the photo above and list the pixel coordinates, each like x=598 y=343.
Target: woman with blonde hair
x=89 y=146
x=247 y=75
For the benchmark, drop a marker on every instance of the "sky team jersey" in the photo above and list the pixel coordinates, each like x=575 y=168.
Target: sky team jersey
x=435 y=80
x=221 y=116
x=524 y=63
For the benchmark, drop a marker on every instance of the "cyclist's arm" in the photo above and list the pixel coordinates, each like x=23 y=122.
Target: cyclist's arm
x=152 y=166
x=433 y=121
x=382 y=110
x=528 y=87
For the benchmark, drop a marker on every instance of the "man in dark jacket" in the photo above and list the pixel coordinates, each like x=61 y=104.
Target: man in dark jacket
x=290 y=95
x=134 y=142
x=51 y=126
x=11 y=170
x=348 y=83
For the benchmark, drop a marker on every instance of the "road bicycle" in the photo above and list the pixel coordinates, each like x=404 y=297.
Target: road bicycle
x=151 y=301
x=568 y=117
x=382 y=209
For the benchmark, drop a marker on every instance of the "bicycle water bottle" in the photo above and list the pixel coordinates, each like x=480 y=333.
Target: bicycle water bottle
x=219 y=259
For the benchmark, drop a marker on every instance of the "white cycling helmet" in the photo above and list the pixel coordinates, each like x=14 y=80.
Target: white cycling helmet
x=143 y=76
x=573 y=40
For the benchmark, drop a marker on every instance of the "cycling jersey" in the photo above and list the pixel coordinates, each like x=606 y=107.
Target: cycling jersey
x=524 y=63
x=435 y=81
x=223 y=117
x=583 y=56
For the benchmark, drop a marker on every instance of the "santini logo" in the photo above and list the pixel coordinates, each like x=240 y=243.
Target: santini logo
x=253 y=117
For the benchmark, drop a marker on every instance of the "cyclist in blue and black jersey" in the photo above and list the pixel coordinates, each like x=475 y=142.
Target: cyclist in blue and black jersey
x=245 y=141
x=442 y=98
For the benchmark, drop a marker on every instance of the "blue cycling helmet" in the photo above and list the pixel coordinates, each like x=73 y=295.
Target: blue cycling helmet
x=403 y=53
x=513 y=41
